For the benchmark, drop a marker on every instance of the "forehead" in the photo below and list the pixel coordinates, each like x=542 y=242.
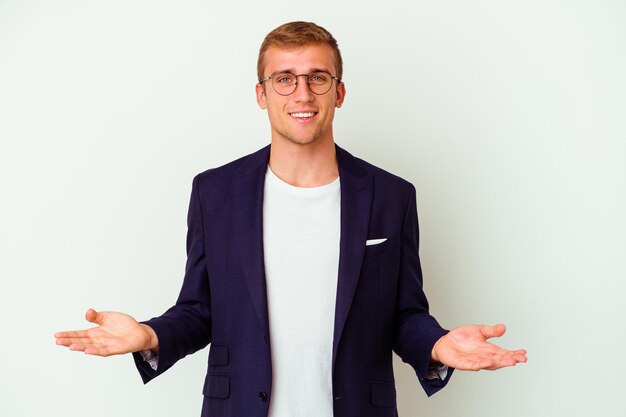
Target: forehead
x=301 y=59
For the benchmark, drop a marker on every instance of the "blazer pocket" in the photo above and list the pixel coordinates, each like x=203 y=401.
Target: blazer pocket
x=216 y=386
x=372 y=250
x=218 y=355
x=383 y=394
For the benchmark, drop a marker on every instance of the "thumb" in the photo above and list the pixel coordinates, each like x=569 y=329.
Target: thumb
x=94 y=317
x=493 y=331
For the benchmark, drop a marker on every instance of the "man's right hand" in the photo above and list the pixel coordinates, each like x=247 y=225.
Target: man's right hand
x=116 y=334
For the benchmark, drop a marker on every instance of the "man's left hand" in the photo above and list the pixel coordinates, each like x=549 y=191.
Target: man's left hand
x=466 y=348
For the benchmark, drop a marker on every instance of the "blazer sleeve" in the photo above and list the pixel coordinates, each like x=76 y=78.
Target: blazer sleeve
x=186 y=327
x=415 y=330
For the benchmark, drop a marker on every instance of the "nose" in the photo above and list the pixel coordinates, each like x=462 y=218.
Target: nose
x=303 y=92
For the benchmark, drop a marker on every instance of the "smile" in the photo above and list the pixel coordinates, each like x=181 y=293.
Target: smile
x=302 y=115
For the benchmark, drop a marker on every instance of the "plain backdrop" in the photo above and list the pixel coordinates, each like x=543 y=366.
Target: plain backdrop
x=508 y=116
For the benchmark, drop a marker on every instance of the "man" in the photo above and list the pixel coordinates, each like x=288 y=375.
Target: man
x=303 y=270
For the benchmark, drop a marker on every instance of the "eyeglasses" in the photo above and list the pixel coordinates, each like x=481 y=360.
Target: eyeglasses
x=285 y=83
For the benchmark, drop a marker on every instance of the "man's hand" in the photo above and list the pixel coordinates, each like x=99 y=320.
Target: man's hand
x=466 y=348
x=116 y=334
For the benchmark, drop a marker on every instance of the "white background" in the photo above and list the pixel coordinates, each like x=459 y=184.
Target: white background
x=507 y=116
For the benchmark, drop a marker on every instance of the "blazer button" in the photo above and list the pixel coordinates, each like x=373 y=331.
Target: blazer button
x=262 y=396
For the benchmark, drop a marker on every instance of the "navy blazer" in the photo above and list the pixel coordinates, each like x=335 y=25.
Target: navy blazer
x=380 y=304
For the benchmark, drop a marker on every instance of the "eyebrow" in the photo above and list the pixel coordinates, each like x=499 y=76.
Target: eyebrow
x=290 y=71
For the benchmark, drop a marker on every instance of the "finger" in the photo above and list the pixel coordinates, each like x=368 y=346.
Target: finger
x=102 y=349
x=511 y=353
x=71 y=333
x=69 y=340
x=92 y=350
x=520 y=357
x=63 y=342
x=477 y=364
x=89 y=348
x=98 y=351
x=94 y=317
x=86 y=339
x=511 y=359
x=500 y=365
x=493 y=331
x=490 y=360
x=490 y=364
x=77 y=346
x=66 y=341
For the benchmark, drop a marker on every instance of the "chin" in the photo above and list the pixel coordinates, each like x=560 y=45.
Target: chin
x=302 y=140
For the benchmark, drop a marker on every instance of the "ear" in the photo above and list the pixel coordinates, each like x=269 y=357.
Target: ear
x=261 y=99
x=341 y=94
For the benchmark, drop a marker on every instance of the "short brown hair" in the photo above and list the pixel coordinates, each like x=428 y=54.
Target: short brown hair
x=294 y=34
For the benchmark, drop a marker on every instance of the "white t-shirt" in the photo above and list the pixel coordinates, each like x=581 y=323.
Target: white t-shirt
x=301 y=230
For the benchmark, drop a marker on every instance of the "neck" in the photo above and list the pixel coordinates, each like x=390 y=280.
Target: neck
x=309 y=165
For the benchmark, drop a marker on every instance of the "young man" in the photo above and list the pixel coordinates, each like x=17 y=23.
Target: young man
x=303 y=270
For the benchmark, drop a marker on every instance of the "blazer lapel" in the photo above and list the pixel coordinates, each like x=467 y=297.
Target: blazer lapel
x=248 y=228
x=356 y=203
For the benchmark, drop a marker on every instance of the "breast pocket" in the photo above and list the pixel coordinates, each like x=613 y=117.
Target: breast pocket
x=380 y=248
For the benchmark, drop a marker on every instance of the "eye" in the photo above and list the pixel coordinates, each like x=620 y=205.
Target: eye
x=318 y=78
x=284 y=79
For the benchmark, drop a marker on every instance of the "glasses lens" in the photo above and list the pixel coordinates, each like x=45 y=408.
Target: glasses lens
x=320 y=82
x=284 y=84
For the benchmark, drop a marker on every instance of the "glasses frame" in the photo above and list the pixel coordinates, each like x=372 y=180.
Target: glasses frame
x=308 y=83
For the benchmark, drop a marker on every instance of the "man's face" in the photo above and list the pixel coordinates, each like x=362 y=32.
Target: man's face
x=302 y=117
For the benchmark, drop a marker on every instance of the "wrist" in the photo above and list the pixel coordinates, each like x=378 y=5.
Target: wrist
x=434 y=353
x=153 y=340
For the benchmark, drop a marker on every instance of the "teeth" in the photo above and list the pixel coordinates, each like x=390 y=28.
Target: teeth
x=301 y=115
